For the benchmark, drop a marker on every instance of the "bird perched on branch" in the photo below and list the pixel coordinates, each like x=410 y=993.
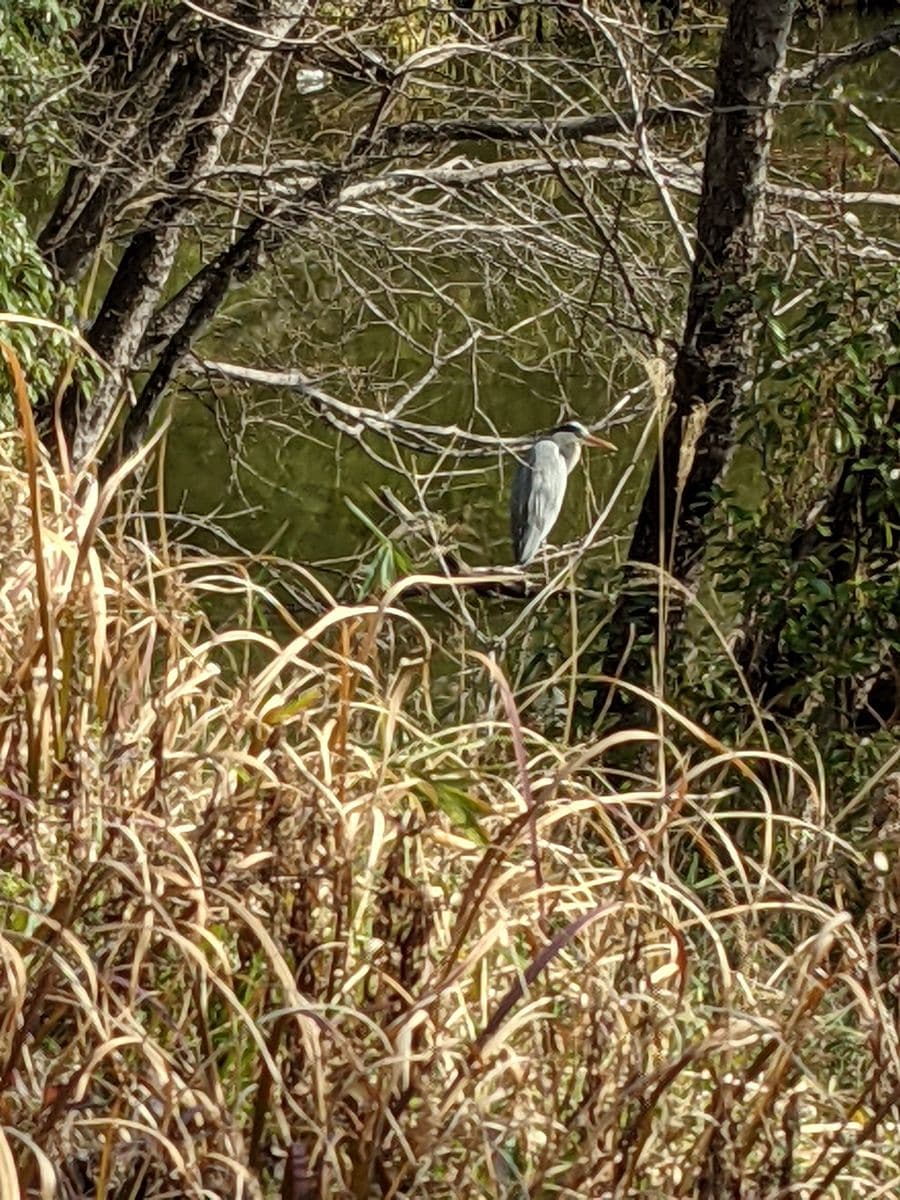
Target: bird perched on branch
x=539 y=485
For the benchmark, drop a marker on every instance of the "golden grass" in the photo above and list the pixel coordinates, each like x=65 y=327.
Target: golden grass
x=269 y=928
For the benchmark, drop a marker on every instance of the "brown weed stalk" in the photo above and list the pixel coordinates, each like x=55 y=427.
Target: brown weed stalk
x=268 y=927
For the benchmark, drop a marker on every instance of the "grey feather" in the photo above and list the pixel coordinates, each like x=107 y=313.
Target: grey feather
x=538 y=490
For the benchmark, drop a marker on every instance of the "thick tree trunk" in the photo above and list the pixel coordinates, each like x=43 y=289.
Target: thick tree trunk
x=711 y=366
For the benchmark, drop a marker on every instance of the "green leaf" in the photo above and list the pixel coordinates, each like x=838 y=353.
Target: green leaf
x=282 y=714
x=367 y=521
x=460 y=807
x=821 y=587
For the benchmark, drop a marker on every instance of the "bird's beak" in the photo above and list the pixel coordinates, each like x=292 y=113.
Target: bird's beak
x=599 y=443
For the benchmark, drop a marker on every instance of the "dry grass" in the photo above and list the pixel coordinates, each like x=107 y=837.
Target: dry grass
x=252 y=943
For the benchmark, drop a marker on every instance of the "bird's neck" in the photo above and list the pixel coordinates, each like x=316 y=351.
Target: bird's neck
x=572 y=454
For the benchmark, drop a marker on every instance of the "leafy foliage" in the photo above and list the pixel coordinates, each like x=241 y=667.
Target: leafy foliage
x=388 y=561
x=816 y=563
x=36 y=61
x=26 y=290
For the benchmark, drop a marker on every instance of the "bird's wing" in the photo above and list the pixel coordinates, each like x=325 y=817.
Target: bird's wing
x=538 y=489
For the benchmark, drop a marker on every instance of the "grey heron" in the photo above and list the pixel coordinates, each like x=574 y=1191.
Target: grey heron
x=539 y=485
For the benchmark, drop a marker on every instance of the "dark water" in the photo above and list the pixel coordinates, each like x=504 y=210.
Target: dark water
x=268 y=472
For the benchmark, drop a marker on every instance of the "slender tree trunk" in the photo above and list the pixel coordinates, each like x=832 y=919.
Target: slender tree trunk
x=712 y=361
x=140 y=278
x=711 y=366
x=178 y=323
x=148 y=115
x=202 y=304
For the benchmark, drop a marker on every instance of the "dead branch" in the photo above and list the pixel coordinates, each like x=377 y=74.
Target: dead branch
x=822 y=69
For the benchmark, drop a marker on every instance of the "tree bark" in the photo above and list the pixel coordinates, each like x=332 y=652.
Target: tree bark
x=176 y=326
x=711 y=365
x=712 y=360
x=150 y=109
x=140 y=278
x=202 y=304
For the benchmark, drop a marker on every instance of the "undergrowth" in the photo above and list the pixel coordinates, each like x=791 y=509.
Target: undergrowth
x=270 y=927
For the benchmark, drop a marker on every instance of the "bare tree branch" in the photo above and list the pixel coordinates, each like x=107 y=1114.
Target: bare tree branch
x=521 y=129
x=564 y=129
x=356 y=419
x=821 y=69
x=139 y=280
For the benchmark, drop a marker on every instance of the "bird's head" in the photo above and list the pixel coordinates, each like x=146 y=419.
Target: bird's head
x=582 y=434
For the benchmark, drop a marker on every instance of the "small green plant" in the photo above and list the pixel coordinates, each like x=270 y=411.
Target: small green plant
x=388 y=562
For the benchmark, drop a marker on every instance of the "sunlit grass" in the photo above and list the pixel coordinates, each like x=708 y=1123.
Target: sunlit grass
x=270 y=928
